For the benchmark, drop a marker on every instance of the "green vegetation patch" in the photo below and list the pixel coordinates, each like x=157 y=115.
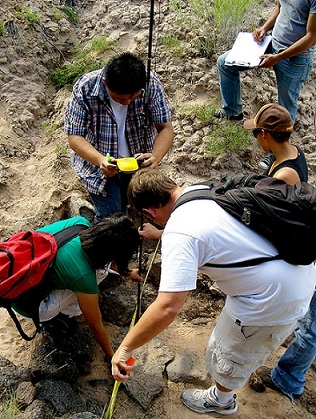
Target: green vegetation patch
x=9 y=407
x=70 y=14
x=203 y=111
x=100 y=44
x=68 y=74
x=173 y=44
x=214 y=23
x=27 y=15
x=227 y=137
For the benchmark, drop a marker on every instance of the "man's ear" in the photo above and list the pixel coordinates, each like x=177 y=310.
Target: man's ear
x=104 y=81
x=149 y=212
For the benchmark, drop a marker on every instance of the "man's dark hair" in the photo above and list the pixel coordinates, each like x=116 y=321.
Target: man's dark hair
x=125 y=74
x=114 y=238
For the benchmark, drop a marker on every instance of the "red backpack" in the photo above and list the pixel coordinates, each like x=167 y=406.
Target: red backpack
x=24 y=258
x=25 y=262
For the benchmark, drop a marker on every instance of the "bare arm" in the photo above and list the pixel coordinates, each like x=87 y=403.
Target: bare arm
x=289 y=175
x=156 y=318
x=303 y=44
x=162 y=145
x=85 y=150
x=260 y=33
x=89 y=305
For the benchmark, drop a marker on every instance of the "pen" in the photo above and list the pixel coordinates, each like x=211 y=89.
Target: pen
x=255 y=31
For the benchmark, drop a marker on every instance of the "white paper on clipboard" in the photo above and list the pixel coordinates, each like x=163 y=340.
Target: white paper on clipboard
x=246 y=51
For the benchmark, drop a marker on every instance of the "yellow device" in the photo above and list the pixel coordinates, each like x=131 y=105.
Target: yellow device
x=127 y=164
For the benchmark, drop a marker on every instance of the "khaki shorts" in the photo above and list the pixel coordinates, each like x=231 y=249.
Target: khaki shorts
x=234 y=352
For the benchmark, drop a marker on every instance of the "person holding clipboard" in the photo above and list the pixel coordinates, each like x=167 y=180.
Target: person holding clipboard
x=293 y=24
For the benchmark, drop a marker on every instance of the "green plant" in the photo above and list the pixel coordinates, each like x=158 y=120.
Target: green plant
x=26 y=14
x=99 y=44
x=68 y=74
x=196 y=16
x=57 y=14
x=84 y=62
x=172 y=43
x=227 y=137
x=49 y=128
x=213 y=23
x=61 y=149
x=203 y=111
x=9 y=408
x=70 y=14
x=1 y=28
x=231 y=17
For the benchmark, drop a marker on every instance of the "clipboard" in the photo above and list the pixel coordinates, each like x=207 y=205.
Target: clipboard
x=246 y=51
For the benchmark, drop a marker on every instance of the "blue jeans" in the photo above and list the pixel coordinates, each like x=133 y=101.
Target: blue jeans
x=290 y=74
x=115 y=199
x=289 y=374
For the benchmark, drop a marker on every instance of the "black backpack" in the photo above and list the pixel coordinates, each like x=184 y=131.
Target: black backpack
x=283 y=214
x=20 y=287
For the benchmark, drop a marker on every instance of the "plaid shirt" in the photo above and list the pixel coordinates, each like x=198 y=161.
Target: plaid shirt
x=89 y=114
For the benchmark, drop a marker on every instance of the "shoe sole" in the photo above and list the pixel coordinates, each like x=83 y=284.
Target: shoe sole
x=225 y=412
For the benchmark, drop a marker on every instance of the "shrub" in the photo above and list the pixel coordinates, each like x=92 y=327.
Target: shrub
x=212 y=24
x=99 y=44
x=84 y=61
x=68 y=74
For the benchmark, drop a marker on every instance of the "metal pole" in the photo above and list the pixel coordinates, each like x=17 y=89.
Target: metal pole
x=146 y=122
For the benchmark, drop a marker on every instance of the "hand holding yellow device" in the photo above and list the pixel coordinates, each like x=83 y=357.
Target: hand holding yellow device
x=125 y=164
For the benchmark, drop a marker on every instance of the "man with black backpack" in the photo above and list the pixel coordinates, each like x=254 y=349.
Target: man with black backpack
x=264 y=301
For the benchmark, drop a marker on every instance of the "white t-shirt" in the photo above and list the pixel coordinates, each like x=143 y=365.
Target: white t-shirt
x=120 y=112
x=199 y=232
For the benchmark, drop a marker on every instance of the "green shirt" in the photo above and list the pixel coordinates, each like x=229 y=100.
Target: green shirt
x=72 y=269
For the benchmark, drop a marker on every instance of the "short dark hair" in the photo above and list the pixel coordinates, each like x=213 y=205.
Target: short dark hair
x=280 y=136
x=150 y=188
x=125 y=74
x=114 y=238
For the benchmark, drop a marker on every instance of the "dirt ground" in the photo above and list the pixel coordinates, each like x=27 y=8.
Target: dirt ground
x=37 y=183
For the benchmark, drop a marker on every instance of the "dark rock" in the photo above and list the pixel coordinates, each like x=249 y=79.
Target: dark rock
x=60 y=395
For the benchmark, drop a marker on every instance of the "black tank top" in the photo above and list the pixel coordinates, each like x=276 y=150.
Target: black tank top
x=298 y=164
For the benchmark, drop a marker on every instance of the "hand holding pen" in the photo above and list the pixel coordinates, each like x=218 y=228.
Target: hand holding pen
x=258 y=34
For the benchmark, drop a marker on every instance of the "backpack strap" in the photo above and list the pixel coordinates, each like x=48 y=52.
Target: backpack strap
x=243 y=263
x=69 y=233
x=18 y=324
x=206 y=193
x=193 y=195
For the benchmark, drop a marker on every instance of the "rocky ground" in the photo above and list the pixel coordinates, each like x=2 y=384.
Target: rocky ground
x=59 y=376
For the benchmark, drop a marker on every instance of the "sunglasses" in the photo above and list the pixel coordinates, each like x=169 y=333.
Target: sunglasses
x=256 y=132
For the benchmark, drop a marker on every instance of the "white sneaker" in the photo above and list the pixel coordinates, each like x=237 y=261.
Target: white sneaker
x=205 y=401
x=266 y=162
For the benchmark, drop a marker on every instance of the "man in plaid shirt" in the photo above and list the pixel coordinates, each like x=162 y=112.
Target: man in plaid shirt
x=106 y=116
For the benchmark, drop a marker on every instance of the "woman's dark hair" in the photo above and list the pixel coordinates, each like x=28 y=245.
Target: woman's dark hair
x=281 y=136
x=125 y=74
x=114 y=238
